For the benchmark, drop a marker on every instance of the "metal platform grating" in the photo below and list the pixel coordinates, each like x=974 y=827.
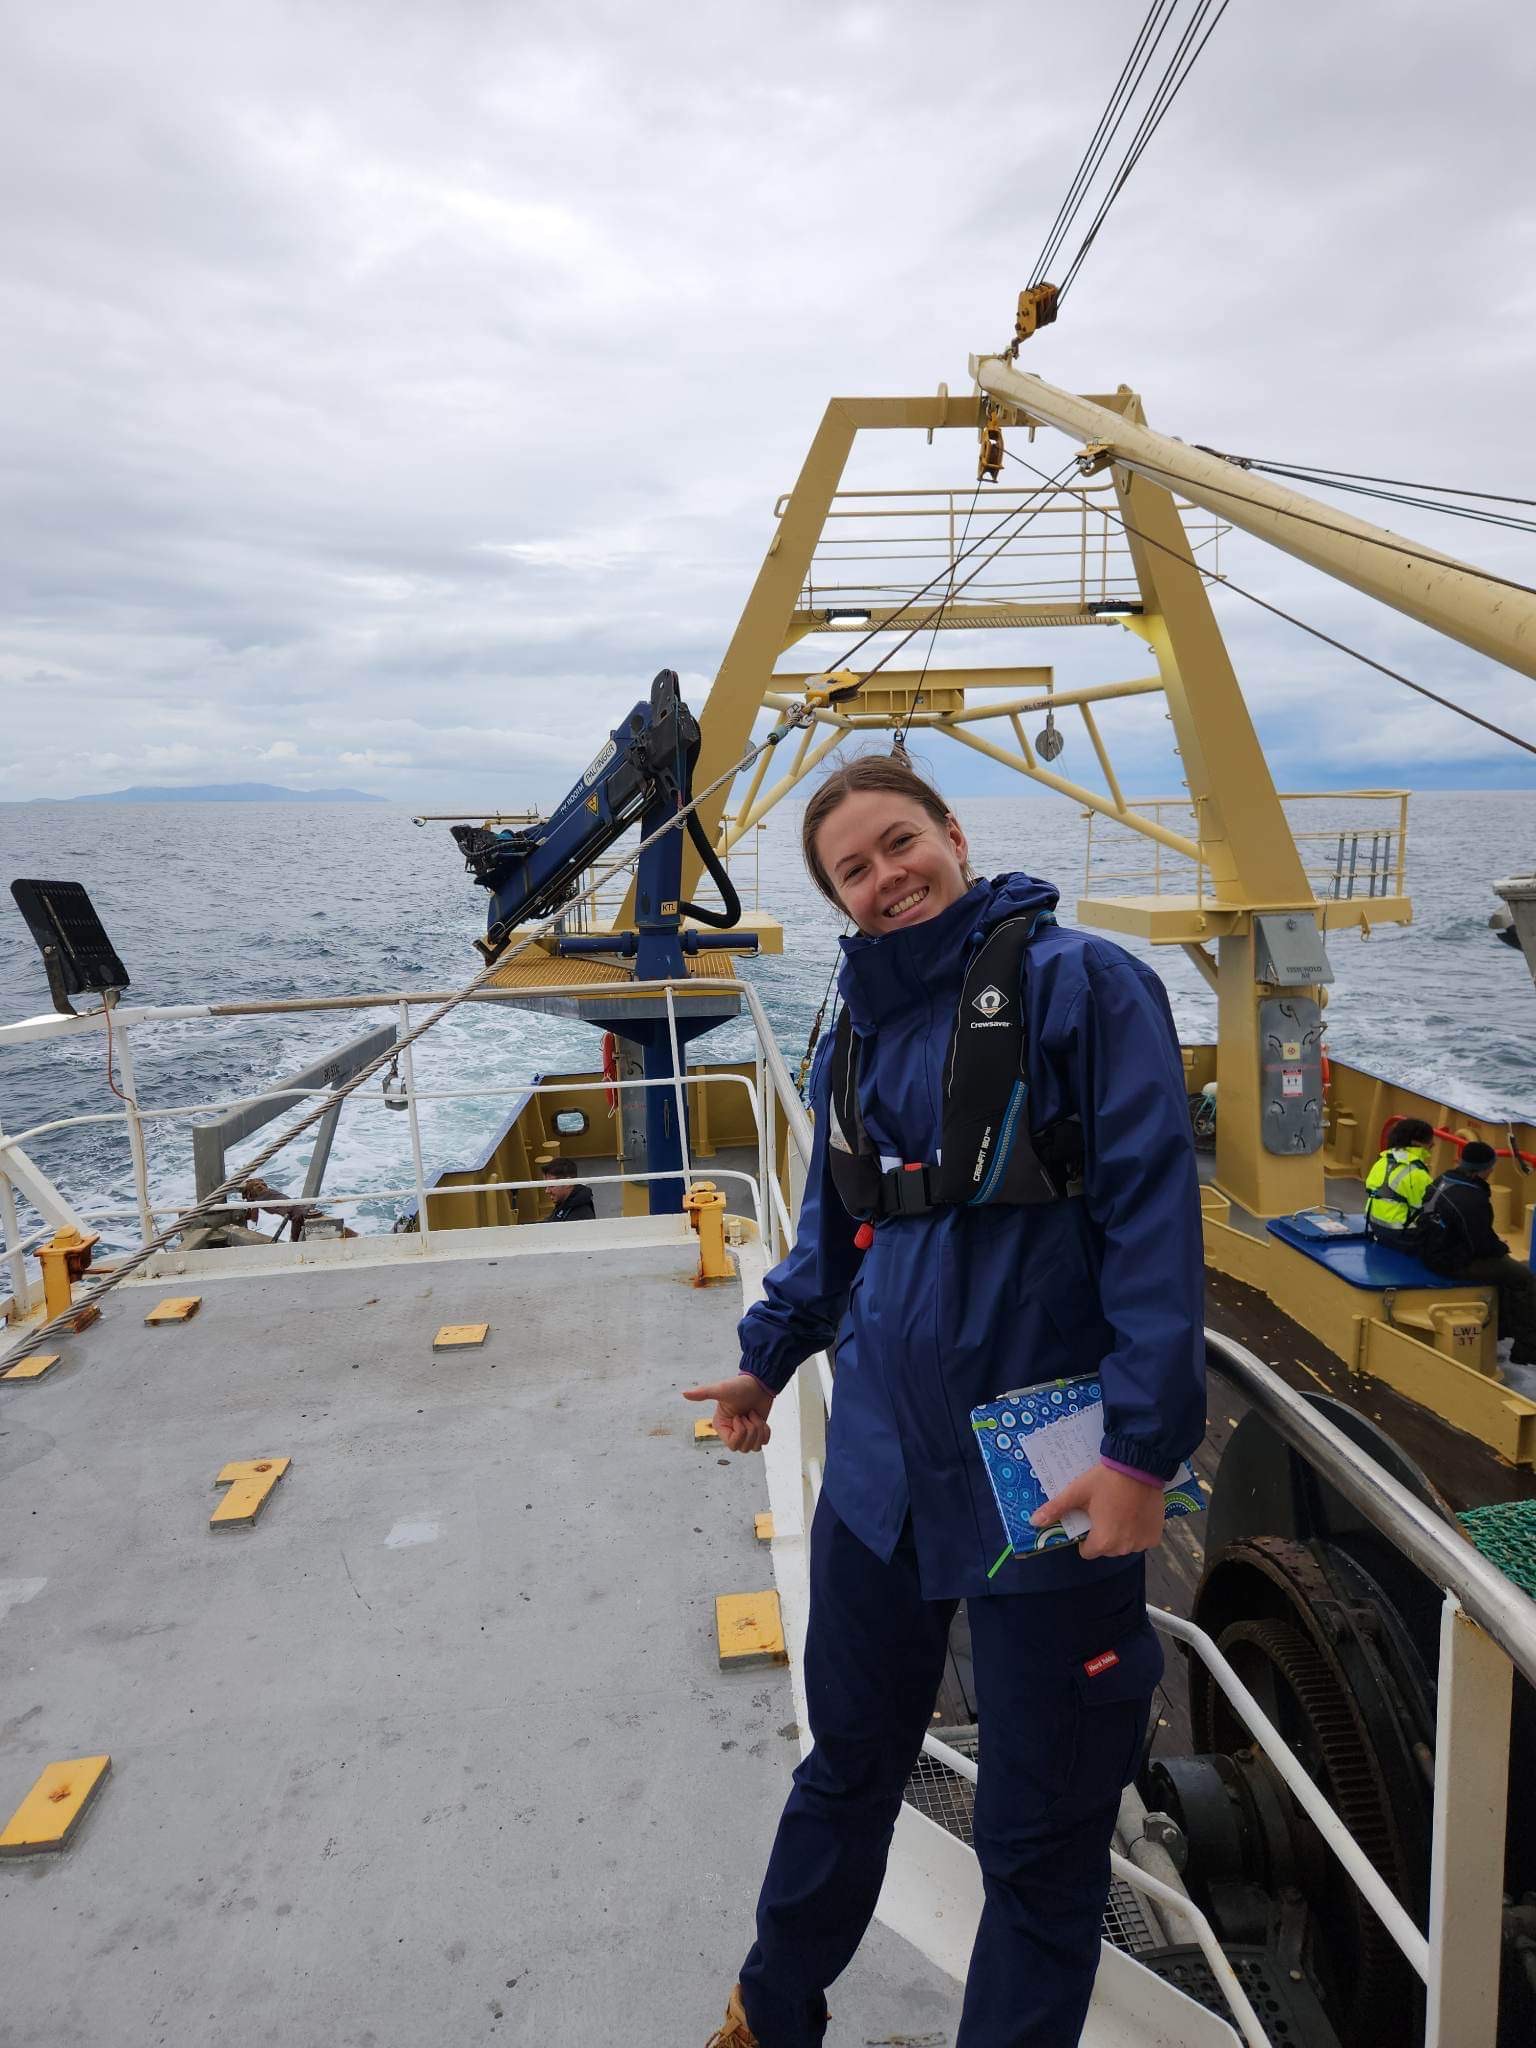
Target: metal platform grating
x=948 y=1799
x=1505 y=1533
x=1287 y=2006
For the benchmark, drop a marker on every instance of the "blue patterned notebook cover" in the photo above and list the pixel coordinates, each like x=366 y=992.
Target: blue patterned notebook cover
x=1003 y=1429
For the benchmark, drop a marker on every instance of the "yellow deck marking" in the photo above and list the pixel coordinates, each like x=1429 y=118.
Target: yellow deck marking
x=250 y=1482
x=705 y=1432
x=460 y=1336
x=177 y=1308
x=749 y=1629
x=55 y=1806
x=762 y=1528
x=33 y=1366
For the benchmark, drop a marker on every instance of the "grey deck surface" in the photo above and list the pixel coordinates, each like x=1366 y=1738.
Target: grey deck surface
x=439 y=1752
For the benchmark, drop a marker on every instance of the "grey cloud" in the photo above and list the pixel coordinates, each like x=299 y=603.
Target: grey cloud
x=405 y=382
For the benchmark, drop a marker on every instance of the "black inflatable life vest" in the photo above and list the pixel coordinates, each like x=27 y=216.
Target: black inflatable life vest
x=988 y=1152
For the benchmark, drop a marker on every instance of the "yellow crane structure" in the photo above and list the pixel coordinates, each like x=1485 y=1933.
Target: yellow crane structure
x=1132 y=540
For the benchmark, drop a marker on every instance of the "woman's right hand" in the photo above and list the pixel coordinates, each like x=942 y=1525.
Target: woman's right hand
x=741 y=1410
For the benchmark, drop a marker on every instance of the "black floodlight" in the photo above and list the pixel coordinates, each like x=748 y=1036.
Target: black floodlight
x=76 y=950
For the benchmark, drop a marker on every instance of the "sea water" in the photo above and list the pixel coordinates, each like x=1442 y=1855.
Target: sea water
x=209 y=902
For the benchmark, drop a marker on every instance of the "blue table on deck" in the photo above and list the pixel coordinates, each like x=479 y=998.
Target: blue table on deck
x=1339 y=1244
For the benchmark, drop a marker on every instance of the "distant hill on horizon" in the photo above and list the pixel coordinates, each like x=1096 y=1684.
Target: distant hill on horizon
x=219 y=793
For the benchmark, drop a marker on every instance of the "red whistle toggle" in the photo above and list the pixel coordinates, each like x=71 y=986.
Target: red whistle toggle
x=864 y=1236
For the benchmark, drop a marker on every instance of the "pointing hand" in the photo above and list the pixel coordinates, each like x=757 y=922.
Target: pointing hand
x=741 y=1410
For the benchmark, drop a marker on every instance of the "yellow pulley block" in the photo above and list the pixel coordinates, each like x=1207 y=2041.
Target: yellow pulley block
x=989 y=463
x=1037 y=308
x=831 y=688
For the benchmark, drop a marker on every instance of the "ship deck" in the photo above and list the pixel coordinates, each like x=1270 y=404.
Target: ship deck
x=439 y=1749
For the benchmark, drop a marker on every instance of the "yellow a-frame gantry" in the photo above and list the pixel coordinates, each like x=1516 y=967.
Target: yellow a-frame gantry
x=1242 y=855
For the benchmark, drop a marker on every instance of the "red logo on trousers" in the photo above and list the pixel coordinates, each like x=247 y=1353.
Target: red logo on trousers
x=1105 y=1661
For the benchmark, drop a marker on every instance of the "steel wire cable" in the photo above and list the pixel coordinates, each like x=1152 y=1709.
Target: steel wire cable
x=1168 y=90
x=900 y=741
x=1358 y=476
x=1317 y=633
x=1392 y=542
x=1102 y=137
x=1510 y=521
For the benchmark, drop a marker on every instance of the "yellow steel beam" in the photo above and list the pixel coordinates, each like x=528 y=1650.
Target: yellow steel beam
x=1492 y=617
x=1105 y=765
x=957 y=618
x=1090 y=799
x=1244 y=833
x=793 y=778
x=1032 y=678
x=975 y=714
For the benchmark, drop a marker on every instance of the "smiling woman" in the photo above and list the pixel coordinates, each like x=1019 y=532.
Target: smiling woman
x=1001 y=1192
x=882 y=846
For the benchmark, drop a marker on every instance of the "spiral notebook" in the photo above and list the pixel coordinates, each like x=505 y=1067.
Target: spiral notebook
x=1036 y=1441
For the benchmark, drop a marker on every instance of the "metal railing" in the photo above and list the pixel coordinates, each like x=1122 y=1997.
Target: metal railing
x=20 y=1174
x=1069 y=547
x=1348 y=857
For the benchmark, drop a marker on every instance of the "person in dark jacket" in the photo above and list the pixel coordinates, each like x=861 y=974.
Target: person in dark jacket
x=1455 y=1236
x=933 y=1313
x=572 y=1199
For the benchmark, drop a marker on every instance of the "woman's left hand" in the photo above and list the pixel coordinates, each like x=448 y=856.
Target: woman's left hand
x=1126 y=1514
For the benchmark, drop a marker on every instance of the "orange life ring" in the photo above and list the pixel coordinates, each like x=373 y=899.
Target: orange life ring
x=611 y=1070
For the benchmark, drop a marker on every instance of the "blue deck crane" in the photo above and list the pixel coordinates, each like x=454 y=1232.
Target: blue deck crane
x=642 y=774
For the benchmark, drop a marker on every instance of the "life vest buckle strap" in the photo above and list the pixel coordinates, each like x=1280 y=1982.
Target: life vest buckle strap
x=906 y=1190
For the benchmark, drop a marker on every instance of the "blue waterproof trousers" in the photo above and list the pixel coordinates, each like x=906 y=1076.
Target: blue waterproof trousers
x=1064 y=1682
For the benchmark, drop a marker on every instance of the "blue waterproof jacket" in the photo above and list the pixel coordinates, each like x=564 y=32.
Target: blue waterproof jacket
x=948 y=1310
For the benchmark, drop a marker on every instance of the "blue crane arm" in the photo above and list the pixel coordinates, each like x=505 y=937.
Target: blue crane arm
x=643 y=767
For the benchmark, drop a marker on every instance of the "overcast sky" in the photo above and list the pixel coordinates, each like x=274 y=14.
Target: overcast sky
x=390 y=390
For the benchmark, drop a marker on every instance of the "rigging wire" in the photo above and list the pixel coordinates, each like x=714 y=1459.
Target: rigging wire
x=1409 y=494
x=899 y=744
x=1394 y=542
x=1126 y=87
x=1211 y=576
x=1168 y=90
x=1358 y=476
x=818 y=1020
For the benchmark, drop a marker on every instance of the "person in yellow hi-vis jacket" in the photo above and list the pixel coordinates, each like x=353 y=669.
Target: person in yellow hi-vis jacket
x=1396 y=1185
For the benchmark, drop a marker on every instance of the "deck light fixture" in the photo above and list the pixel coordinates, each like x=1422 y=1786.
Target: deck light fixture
x=1112 y=608
x=847 y=615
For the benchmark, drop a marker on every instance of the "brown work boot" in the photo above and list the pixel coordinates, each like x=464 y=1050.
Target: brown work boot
x=735 y=2033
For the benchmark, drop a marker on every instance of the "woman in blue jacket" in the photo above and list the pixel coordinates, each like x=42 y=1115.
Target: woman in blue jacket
x=935 y=1307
